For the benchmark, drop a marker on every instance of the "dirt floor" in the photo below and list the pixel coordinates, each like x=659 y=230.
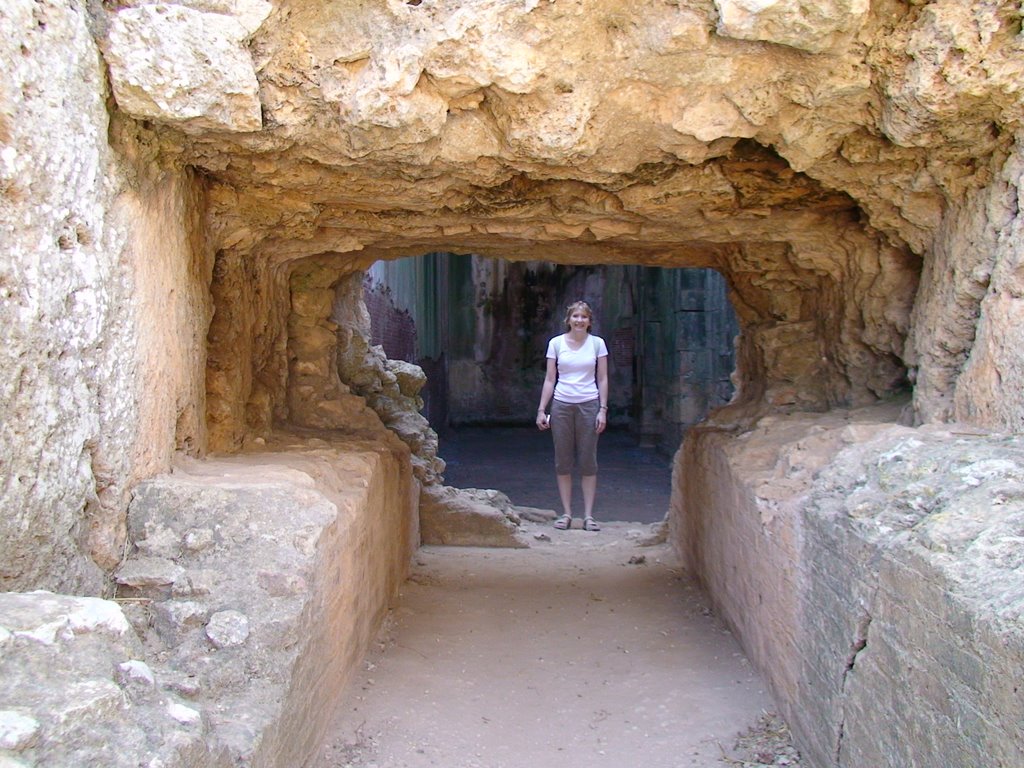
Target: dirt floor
x=588 y=649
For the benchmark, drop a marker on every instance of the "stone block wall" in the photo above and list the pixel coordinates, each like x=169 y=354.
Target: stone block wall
x=966 y=331
x=392 y=328
x=256 y=584
x=871 y=572
x=687 y=350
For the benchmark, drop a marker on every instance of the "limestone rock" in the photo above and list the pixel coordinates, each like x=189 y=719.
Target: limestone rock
x=257 y=609
x=810 y=27
x=173 y=619
x=135 y=674
x=72 y=691
x=468 y=517
x=17 y=731
x=410 y=378
x=227 y=629
x=905 y=536
x=854 y=172
x=185 y=67
x=249 y=13
x=149 y=575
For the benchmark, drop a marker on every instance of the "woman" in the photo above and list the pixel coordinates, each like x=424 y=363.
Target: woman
x=576 y=385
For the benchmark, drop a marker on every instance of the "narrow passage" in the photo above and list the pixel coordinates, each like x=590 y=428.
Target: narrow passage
x=585 y=650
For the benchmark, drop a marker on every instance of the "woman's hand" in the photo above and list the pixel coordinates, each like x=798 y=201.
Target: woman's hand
x=543 y=421
x=602 y=421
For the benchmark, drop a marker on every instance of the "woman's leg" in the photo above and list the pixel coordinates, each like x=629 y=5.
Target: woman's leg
x=589 y=483
x=586 y=438
x=563 y=435
x=565 y=493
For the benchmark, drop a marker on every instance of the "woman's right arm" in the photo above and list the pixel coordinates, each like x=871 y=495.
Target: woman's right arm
x=546 y=392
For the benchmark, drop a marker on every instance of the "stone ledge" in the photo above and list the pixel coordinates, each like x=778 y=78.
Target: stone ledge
x=254 y=585
x=74 y=690
x=872 y=573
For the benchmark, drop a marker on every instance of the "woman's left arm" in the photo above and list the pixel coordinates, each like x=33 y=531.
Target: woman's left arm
x=602 y=391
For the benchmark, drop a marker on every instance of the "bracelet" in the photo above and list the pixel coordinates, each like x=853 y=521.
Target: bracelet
x=603 y=408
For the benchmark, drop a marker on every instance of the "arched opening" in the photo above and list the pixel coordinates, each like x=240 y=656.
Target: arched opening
x=478 y=327
x=194 y=411
x=822 y=302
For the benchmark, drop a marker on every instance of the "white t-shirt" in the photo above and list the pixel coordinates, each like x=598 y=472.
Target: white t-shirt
x=577 y=369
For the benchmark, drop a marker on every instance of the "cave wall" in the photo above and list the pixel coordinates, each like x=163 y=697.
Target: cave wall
x=966 y=320
x=685 y=350
x=104 y=300
x=860 y=563
x=853 y=173
x=867 y=570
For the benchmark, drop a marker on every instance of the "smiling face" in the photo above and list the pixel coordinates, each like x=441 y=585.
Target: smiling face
x=578 y=317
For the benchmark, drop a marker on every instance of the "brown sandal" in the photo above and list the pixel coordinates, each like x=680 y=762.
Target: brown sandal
x=563 y=522
x=590 y=524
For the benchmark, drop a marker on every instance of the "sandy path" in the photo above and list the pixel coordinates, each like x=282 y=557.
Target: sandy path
x=563 y=655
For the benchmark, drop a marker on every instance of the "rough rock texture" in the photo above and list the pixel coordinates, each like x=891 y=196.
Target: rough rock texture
x=872 y=573
x=469 y=517
x=257 y=582
x=817 y=157
x=75 y=691
x=809 y=27
x=982 y=396
x=103 y=304
x=810 y=154
x=854 y=173
x=183 y=66
x=390 y=387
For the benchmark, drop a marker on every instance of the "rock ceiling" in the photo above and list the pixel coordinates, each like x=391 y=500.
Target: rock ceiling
x=810 y=152
x=621 y=129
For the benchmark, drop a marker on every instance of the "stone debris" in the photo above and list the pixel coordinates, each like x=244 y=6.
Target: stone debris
x=17 y=731
x=766 y=743
x=228 y=629
x=135 y=674
x=536 y=515
x=469 y=517
x=147 y=575
x=73 y=690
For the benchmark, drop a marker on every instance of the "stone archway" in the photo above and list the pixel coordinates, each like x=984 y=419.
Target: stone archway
x=174 y=175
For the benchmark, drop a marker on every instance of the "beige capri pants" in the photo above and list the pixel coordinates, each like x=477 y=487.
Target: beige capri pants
x=574 y=432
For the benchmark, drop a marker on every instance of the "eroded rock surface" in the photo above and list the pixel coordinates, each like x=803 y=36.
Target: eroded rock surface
x=469 y=517
x=183 y=66
x=810 y=154
x=257 y=582
x=854 y=172
x=875 y=558
x=252 y=587
x=74 y=690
